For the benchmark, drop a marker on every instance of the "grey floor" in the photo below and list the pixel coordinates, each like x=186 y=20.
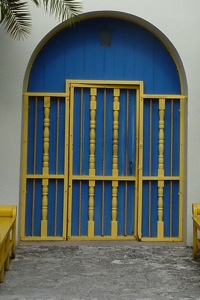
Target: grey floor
x=102 y=270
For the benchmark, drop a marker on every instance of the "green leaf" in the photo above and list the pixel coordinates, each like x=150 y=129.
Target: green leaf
x=16 y=18
x=63 y=9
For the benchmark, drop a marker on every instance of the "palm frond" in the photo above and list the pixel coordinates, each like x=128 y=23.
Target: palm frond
x=16 y=18
x=63 y=9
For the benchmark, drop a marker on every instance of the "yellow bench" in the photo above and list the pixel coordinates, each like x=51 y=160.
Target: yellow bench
x=7 y=237
x=196 y=227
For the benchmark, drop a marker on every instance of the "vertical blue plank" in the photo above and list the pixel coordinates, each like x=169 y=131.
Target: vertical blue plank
x=166 y=209
x=121 y=208
x=61 y=143
x=175 y=209
x=108 y=208
x=127 y=136
x=176 y=139
x=28 y=213
x=31 y=134
x=38 y=208
x=146 y=134
x=155 y=137
x=145 y=211
x=75 y=208
x=37 y=193
x=60 y=211
x=76 y=132
x=132 y=133
x=35 y=144
x=52 y=136
x=85 y=200
x=131 y=208
x=154 y=140
x=154 y=209
x=99 y=139
x=98 y=209
x=40 y=137
x=122 y=134
x=51 y=207
x=109 y=132
x=86 y=132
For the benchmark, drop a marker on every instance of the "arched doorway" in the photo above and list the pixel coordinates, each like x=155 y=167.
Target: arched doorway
x=103 y=136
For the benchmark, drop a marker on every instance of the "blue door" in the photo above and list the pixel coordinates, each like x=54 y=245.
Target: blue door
x=103 y=153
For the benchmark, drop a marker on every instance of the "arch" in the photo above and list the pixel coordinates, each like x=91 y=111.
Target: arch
x=130 y=19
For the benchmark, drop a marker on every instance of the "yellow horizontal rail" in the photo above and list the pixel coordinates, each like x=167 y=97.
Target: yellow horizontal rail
x=32 y=94
x=104 y=178
x=166 y=178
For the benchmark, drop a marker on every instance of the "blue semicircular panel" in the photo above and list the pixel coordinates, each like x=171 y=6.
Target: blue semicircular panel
x=132 y=53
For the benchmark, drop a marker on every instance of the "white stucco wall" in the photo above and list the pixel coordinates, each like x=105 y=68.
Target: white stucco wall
x=178 y=20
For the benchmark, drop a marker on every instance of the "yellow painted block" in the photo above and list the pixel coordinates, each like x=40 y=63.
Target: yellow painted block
x=90 y=228
x=161 y=183
x=91 y=172
x=114 y=228
x=116 y=92
x=115 y=183
x=160 y=229
x=45 y=181
x=93 y=91
x=116 y=106
x=93 y=105
x=115 y=173
x=161 y=103
x=43 y=228
x=92 y=183
x=46 y=101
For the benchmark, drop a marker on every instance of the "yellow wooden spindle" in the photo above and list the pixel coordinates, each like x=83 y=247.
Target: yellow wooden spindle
x=160 y=223
x=93 y=93
x=45 y=182
x=116 y=105
x=91 y=209
x=115 y=132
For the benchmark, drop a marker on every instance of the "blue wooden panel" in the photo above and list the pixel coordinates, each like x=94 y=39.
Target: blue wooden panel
x=99 y=141
x=125 y=210
x=172 y=138
x=153 y=158
x=134 y=54
x=149 y=208
x=176 y=139
x=104 y=134
x=81 y=133
x=34 y=191
x=102 y=213
x=55 y=208
x=56 y=143
x=80 y=209
x=35 y=136
x=127 y=134
x=171 y=210
x=98 y=209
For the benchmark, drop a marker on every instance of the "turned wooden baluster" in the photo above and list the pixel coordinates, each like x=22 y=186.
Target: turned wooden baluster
x=93 y=93
x=116 y=106
x=45 y=181
x=160 y=223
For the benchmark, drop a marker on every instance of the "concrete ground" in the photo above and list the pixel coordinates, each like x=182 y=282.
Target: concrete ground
x=102 y=270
